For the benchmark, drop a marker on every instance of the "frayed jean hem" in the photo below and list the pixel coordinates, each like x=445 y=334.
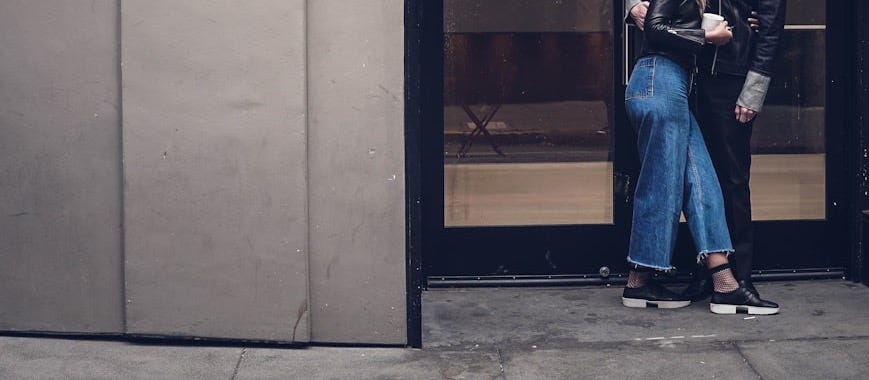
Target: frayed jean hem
x=701 y=257
x=670 y=269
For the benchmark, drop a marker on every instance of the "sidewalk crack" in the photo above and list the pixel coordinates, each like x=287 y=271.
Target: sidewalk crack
x=501 y=374
x=745 y=359
x=238 y=363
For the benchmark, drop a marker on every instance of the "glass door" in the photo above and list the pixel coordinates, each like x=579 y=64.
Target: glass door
x=533 y=174
x=796 y=204
x=530 y=109
x=797 y=192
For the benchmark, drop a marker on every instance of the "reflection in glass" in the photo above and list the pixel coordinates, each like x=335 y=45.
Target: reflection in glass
x=528 y=93
x=528 y=115
x=806 y=12
x=789 y=166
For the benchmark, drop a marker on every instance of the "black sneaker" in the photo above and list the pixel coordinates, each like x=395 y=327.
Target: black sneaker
x=653 y=295
x=742 y=300
x=750 y=286
x=698 y=290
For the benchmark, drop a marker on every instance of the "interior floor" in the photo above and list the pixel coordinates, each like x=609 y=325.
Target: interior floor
x=784 y=187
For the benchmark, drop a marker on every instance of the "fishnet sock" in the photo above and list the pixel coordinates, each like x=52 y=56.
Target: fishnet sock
x=723 y=280
x=638 y=279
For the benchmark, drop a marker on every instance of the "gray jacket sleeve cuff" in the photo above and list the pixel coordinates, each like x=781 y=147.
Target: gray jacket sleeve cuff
x=630 y=4
x=754 y=91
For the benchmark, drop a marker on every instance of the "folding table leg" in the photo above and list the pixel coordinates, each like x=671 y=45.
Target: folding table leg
x=480 y=128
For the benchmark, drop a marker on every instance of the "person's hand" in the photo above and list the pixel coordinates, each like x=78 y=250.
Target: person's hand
x=721 y=35
x=744 y=115
x=753 y=21
x=638 y=13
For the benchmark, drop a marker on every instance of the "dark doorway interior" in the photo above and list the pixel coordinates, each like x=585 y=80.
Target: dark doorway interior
x=541 y=92
x=486 y=91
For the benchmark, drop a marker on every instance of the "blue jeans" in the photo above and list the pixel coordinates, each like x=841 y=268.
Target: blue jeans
x=676 y=173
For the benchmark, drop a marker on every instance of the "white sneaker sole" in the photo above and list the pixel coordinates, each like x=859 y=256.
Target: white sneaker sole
x=641 y=303
x=734 y=309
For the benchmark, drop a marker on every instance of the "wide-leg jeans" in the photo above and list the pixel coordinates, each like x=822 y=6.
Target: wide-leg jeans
x=676 y=173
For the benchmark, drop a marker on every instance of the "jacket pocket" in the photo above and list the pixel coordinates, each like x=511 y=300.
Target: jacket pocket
x=642 y=81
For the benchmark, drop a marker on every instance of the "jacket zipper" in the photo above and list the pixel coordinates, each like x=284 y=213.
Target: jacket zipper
x=715 y=58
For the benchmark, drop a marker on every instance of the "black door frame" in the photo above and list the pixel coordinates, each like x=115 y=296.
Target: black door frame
x=847 y=165
x=858 y=75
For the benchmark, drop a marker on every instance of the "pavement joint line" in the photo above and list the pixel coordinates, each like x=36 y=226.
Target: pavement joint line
x=677 y=337
x=501 y=364
x=644 y=341
x=747 y=362
x=802 y=339
x=238 y=363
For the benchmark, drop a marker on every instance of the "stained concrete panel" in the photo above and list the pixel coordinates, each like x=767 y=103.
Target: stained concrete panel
x=576 y=317
x=215 y=163
x=324 y=363
x=356 y=144
x=29 y=358
x=843 y=358
x=60 y=168
x=619 y=360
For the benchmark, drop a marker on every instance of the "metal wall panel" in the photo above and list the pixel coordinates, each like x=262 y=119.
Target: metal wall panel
x=60 y=171
x=215 y=163
x=356 y=144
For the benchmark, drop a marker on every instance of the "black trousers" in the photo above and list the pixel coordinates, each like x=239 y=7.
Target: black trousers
x=729 y=144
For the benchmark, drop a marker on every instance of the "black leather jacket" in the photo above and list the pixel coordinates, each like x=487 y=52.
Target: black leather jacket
x=673 y=30
x=748 y=50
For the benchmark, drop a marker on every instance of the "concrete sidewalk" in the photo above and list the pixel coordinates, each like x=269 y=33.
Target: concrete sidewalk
x=558 y=333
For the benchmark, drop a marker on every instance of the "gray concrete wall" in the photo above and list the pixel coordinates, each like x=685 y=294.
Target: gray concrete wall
x=215 y=163
x=60 y=168
x=356 y=145
x=260 y=147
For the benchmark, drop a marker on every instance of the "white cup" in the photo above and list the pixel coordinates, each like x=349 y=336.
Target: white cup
x=711 y=21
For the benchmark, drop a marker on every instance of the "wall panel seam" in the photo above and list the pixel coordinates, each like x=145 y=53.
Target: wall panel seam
x=306 y=108
x=122 y=163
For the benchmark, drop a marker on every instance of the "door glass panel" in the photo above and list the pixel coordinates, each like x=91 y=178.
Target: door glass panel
x=788 y=164
x=528 y=112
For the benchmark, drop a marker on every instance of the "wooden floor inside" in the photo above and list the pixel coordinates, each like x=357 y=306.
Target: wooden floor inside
x=784 y=187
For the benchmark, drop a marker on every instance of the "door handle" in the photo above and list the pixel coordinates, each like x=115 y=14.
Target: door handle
x=628 y=50
x=625 y=58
